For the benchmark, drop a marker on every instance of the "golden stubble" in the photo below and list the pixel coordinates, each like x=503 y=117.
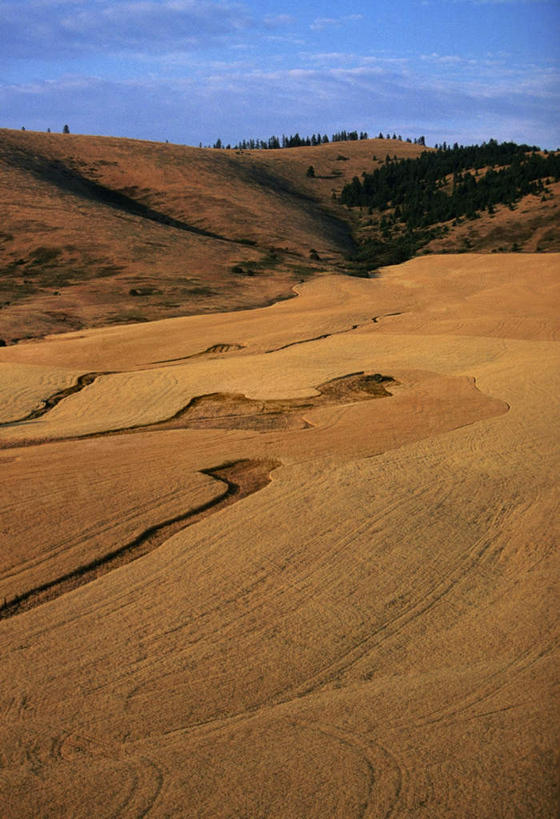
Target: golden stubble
x=373 y=632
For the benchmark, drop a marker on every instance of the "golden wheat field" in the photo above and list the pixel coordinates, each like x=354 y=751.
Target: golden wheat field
x=297 y=561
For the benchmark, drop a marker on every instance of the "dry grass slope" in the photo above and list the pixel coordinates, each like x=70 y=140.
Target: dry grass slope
x=98 y=230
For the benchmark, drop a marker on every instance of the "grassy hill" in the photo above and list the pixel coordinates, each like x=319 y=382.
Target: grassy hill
x=99 y=230
x=456 y=200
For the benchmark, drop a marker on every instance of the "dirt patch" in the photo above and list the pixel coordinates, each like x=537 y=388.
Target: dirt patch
x=215 y=349
x=236 y=411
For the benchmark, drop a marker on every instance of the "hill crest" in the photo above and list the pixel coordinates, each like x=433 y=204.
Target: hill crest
x=103 y=230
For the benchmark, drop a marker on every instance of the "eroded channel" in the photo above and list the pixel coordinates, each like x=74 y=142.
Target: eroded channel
x=236 y=411
x=239 y=478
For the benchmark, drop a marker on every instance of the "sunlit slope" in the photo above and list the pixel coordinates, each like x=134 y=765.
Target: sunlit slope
x=375 y=632
x=529 y=227
x=102 y=230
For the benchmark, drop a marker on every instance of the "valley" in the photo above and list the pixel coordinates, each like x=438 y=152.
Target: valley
x=288 y=548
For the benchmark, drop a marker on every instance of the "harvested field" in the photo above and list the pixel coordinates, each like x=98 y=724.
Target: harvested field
x=294 y=561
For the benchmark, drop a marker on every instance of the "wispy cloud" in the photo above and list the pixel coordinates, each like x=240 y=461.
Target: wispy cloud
x=54 y=28
x=278 y=20
x=209 y=68
x=321 y=23
x=372 y=96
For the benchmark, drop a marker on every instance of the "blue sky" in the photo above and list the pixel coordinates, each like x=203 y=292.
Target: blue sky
x=191 y=71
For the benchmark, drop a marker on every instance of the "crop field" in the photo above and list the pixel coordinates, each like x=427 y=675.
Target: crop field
x=293 y=561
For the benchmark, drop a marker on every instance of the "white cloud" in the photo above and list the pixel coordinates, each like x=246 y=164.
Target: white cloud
x=321 y=23
x=240 y=101
x=52 y=29
x=192 y=95
x=278 y=20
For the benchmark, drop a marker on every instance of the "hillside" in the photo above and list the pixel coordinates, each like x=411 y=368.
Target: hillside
x=275 y=540
x=99 y=230
x=455 y=200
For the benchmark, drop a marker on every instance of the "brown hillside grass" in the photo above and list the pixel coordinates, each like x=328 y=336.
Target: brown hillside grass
x=530 y=227
x=97 y=230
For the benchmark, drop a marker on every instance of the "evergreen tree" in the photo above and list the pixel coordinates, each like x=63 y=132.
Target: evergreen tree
x=448 y=184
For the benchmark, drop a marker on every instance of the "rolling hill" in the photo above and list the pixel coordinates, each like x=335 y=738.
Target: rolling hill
x=100 y=231
x=292 y=561
x=288 y=560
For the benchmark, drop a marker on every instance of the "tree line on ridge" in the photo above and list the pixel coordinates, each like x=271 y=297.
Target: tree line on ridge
x=297 y=141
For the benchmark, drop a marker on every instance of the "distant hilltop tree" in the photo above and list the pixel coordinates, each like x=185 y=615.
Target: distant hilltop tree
x=66 y=130
x=295 y=141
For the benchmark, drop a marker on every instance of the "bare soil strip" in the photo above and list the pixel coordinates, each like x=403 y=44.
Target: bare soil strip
x=236 y=411
x=375 y=320
x=240 y=479
x=315 y=338
x=213 y=350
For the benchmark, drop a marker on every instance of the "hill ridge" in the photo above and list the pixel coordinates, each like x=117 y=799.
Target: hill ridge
x=101 y=230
